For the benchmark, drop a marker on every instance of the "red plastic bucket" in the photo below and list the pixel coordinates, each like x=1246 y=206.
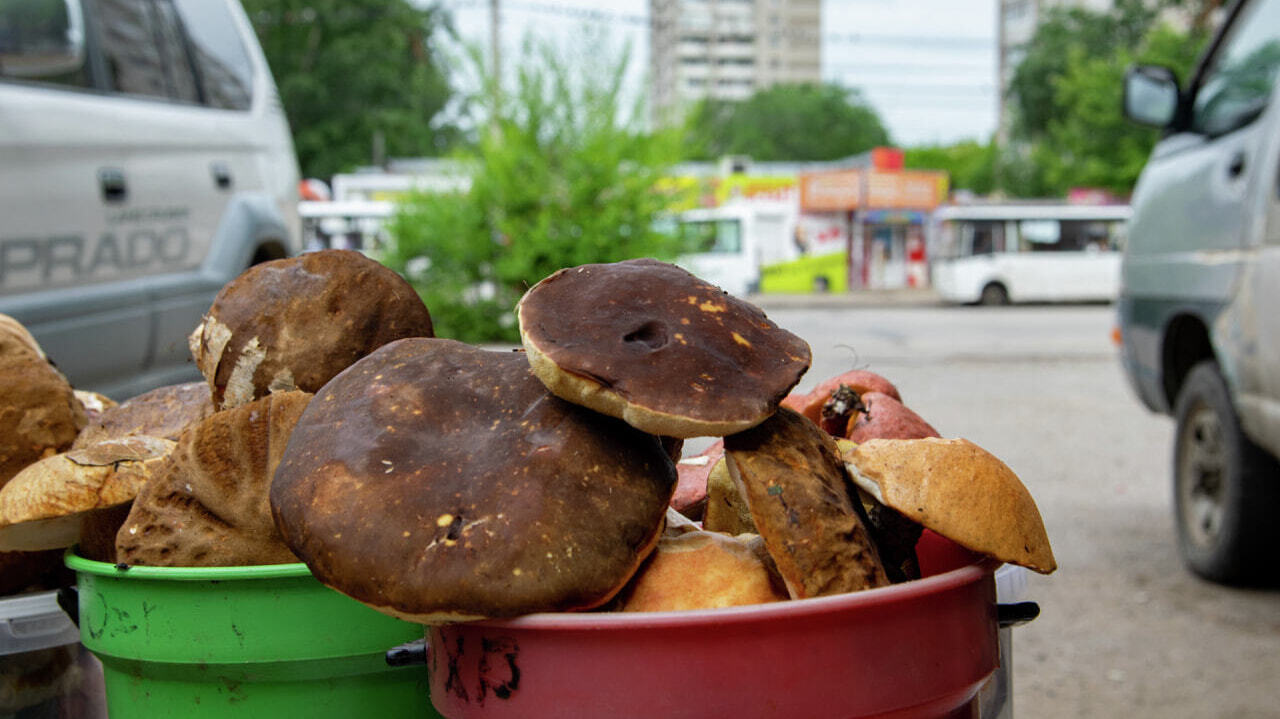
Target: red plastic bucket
x=918 y=649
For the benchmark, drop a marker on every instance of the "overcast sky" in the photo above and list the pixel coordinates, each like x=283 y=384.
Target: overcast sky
x=928 y=66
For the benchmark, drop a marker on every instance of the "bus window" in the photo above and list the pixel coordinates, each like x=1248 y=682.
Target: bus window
x=1039 y=235
x=1070 y=235
x=985 y=238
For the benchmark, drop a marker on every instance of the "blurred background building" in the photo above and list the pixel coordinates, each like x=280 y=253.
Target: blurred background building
x=728 y=49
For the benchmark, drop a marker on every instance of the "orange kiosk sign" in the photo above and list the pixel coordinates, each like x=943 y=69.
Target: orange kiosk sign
x=869 y=192
x=855 y=189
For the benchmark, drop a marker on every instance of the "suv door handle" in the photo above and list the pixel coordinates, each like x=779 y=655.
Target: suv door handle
x=1236 y=168
x=111 y=180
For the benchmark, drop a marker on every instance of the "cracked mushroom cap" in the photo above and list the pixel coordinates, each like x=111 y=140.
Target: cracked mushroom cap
x=958 y=490
x=649 y=343
x=435 y=482
x=46 y=505
x=297 y=322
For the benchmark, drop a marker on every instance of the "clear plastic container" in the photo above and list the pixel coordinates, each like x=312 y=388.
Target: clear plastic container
x=45 y=673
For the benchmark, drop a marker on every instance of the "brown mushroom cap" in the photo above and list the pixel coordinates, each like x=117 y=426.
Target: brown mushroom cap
x=297 y=322
x=435 y=481
x=163 y=412
x=649 y=343
x=39 y=412
x=958 y=490
x=792 y=477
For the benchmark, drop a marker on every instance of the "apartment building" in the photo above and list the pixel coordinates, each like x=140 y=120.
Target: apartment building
x=728 y=49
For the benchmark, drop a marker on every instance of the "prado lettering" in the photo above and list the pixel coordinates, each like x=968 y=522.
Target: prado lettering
x=28 y=263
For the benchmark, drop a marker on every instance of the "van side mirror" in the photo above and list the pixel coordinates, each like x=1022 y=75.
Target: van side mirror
x=1151 y=95
x=40 y=38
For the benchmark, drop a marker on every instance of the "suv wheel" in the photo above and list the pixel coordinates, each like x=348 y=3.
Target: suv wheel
x=1224 y=486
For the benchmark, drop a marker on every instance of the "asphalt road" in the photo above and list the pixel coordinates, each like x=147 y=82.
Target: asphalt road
x=1125 y=630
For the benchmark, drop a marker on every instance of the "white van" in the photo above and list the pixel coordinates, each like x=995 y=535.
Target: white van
x=145 y=160
x=1200 y=282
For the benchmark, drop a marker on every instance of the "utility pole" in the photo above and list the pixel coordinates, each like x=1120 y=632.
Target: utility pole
x=495 y=76
x=495 y=49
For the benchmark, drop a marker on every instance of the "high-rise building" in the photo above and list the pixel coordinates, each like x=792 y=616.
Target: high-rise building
x=729 y=49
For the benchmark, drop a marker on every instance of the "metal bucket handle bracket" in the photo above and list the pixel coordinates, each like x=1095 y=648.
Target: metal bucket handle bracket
x=411 y=653
x=1012 y=615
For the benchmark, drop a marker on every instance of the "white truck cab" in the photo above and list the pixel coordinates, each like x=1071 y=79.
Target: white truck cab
x=145 y=160
x=733 y=241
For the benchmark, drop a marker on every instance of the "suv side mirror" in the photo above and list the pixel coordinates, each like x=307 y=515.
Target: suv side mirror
x=40 y=38
x=1151 y=95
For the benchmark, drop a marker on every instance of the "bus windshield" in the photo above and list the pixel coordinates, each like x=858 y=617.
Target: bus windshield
x=719 y=236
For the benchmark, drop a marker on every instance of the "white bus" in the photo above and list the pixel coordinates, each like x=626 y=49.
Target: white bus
x=1025 y=252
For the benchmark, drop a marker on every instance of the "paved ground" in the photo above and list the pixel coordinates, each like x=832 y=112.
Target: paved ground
x=1125 y=629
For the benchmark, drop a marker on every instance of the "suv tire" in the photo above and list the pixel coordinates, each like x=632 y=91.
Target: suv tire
x=1225 y=486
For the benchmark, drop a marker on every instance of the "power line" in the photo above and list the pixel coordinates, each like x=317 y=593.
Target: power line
x=611 y=17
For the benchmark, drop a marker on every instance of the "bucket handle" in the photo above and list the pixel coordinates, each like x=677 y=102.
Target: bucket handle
x=410 y=654
x=69 y=600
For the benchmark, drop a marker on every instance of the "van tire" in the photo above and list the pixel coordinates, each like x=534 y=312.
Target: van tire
x=1226 y=489
x=994 y=294
x=821 y=284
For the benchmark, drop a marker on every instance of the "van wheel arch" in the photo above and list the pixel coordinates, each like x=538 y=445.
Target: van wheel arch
x=1186 y=344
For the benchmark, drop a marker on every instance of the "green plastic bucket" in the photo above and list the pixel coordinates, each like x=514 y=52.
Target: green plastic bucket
x=242 y=641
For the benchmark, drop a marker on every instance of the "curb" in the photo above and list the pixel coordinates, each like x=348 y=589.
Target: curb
x=851 y=299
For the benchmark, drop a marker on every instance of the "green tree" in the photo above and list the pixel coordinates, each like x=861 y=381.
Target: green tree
x=970 y=165
x=785 y=122
x=355 y=73
x=1069 y=128
x=1065 y=31
x=561 y=176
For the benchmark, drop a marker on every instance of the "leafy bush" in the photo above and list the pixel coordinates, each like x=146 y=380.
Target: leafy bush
x=560 y=176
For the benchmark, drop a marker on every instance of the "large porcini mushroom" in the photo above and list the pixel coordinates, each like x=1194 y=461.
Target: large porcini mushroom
x=959 y=490
x=791 y=475
x=39 y=412
x=649 y=343
x=297 y=322
x=207 y=505
x=436 y=482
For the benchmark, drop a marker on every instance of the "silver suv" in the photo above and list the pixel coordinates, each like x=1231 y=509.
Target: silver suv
x=1199 y=305
x=145 y=160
